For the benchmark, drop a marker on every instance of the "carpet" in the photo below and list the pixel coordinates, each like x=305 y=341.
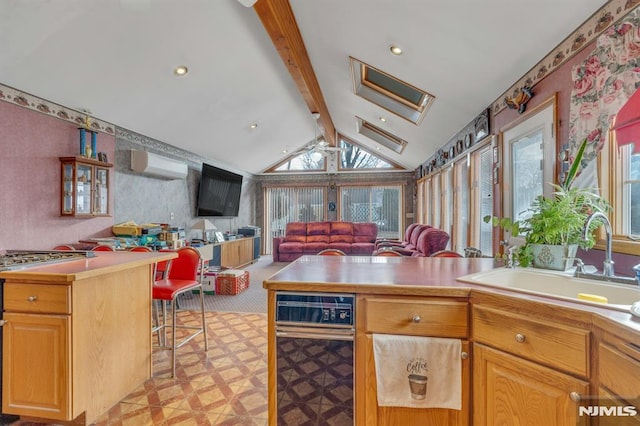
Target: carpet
x=253 y=299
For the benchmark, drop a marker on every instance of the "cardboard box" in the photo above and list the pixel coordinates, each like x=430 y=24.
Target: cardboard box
x=232 y=281
x=209 y=282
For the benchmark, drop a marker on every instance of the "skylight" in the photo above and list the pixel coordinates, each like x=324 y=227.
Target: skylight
x=384 y=138
x=390 y=93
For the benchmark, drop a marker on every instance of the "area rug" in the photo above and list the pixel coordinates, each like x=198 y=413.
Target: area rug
x=254 y=299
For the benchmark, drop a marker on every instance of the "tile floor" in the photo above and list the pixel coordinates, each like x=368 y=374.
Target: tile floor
x=225 y=386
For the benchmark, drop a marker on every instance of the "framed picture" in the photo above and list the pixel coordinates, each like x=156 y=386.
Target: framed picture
x=219 y=237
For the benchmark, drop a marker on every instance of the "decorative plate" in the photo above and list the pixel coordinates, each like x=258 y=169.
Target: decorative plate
x=459 y=146
x=452 y=152
x=467 y=140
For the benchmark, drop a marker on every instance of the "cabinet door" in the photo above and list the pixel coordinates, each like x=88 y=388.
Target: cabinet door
x=36 y=374
x=509 y=390
x=101 y=193
x=246 y=250
x=368 y=412
x=230 y=256
x=84 y=189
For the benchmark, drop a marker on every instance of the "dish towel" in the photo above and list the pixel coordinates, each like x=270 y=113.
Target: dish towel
x=418 y=372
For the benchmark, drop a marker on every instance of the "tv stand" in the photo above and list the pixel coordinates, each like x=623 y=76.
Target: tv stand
x=236 y=253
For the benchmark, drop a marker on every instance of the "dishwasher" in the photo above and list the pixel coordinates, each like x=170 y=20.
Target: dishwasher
x=314 y=349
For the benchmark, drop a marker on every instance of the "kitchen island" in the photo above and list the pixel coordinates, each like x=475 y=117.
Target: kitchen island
x=76 y=335
x=521 y=347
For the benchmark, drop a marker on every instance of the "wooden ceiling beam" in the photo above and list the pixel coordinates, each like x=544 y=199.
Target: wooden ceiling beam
x=280 y=23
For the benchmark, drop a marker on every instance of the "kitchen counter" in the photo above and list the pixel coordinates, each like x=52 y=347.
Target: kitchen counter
x=102 y=263
x=414 y=276
x=518 y=341
x=74 y=318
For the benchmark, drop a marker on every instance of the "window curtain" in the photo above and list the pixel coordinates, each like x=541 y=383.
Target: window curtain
x=601 y=86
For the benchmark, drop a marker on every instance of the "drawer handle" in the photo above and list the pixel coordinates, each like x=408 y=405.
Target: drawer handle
x=464 y=355
x=575 y=396
x=32 y=298
x=416 y=319
x=520 y=338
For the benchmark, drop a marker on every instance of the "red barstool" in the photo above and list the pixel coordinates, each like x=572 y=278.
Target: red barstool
x=181 y=278
x=65 y=247
x=103 y=247
x=388 y=251
x=154 y=307
x=331 y=252
x=446 y=253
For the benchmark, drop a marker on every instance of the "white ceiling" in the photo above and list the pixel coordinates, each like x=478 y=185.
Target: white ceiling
x=115 y=58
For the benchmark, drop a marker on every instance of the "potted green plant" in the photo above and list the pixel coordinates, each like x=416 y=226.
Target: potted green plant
x=553 y=227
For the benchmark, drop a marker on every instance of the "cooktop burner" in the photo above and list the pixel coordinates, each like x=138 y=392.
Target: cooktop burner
x=12 y=259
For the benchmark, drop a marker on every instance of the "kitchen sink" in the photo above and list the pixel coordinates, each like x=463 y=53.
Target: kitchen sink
x=559 y=285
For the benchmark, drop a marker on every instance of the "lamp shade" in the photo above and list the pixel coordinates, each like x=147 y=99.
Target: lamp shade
x=627 y=124
x=204 y=225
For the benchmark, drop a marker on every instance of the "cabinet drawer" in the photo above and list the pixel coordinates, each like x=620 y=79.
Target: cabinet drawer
x=37 y=298
x=557 y=345
x=618 y=372
x=416 y=317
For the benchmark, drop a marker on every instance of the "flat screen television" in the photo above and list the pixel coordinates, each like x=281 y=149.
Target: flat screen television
x=219 y=192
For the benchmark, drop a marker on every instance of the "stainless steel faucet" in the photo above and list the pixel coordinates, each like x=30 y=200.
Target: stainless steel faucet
x=607 y=268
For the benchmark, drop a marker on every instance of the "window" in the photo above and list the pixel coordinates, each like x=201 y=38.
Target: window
x=460 y=237
x=284 y=205
x=619 y=170
x=309 y=160
x=379 y=204
x=390 y=93
x=436 y=201
x=482 y=198
x=456 y=198
x=447 y=200
x=383 y=137
x=528 y=150
x=355 y=157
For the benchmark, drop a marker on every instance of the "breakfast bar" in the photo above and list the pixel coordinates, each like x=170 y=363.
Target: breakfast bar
x=76 y=335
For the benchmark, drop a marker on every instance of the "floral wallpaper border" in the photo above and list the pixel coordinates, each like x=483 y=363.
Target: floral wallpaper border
x=9 y=94
x=592 y=28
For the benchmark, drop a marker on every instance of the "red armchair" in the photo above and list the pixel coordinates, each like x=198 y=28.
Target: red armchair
x=430 y=240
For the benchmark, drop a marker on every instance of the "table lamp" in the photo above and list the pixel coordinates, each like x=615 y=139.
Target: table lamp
x=204 y=225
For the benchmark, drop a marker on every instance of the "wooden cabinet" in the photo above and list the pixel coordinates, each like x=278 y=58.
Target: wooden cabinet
x=237 y=253
x=619 y=380
x=63 y=339
x=415 y=316
x=37 y=351
x=84 y=187
x=511 y=390
x=525 y=368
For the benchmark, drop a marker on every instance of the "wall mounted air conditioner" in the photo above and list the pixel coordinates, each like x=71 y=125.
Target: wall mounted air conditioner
x=155 y=165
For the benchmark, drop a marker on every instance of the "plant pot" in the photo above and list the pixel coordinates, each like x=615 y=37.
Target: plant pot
x=556 y=257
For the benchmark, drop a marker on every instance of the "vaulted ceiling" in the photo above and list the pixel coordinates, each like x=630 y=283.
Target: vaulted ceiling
x=274 y=63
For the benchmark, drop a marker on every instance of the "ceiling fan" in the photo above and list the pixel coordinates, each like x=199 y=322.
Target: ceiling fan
x=319 y=144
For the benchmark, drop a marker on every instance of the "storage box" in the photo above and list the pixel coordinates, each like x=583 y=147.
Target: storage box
x=209 y=282
x=232 y=281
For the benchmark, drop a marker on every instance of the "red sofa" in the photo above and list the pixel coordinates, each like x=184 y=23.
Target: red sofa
x=311 y=237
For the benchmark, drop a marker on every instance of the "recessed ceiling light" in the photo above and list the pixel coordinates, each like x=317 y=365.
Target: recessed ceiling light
x=284 y=151
x=384 y=120
x=253 y=126
x=181 y=70
x=395 y=50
